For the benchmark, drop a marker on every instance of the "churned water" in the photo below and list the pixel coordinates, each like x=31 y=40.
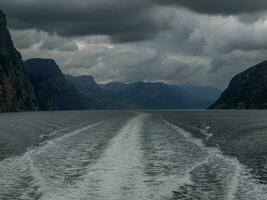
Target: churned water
x=142 y=155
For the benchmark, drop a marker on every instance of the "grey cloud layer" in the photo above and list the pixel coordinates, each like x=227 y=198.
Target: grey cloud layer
x=224 y=7
x=27 y=38
x=122 y=20
x=180 y=41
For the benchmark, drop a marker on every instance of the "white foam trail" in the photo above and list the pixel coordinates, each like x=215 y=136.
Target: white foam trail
x=119 y=172
x=241 y=183
x=165 y=184
x=56 y=132
x=205 y=132
x=186 y=135
x=46 y=194
x=15 y=168
x=170 y=183
x=234 y=183
x=67 y=135
x=38 y=181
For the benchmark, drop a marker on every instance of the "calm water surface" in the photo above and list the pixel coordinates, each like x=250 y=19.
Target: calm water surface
x=141 y=155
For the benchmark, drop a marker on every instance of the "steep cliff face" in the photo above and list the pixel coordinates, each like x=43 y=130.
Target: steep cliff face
x=84 y=83
x=247 y=90
x=51 y=88
x=16 y=91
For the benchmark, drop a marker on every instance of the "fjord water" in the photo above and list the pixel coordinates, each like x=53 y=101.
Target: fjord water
x=138 y=155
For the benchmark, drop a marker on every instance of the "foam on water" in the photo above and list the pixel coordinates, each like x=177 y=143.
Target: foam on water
x=118 y=174
x=21 y=179
x=241 y=183
x=59 y=131
x=49 y=172
x=205 y=132
x=38 y=185
x=164 y=185
x=186 y=134
x=73 y=133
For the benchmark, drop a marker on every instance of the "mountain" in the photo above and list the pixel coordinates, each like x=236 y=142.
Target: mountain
x=247 y=90
x=84 y=83
x=51 y=88
x=156 y=95
x=89 y=93
x=146 y=95
x=140 y=95
x=205 y=95
x=16 y=91
x=39 y=83
x=113 y=86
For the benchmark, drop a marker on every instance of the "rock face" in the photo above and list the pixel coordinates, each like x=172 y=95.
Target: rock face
x=16 y=91
x=84 y=83
x=89 y=93
x=139 y=95
x=51 y=88
x=247 y=90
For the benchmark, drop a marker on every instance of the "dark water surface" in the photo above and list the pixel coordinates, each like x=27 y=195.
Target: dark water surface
x=142 y=155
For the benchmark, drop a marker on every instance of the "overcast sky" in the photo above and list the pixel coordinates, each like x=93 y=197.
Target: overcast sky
x=196 y=42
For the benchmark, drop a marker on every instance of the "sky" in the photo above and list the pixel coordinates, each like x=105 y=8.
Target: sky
x=189 y=42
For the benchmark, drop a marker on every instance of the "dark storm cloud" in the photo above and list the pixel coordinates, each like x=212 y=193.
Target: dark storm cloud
x=122 y=20
x=223 y=7
x=202 y=42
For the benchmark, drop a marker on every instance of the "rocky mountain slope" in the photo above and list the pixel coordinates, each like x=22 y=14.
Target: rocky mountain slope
x=84 y=83
x=247 y=90
x=16 y=91
x=147 y=95
x=51 y=88
x=140 y=95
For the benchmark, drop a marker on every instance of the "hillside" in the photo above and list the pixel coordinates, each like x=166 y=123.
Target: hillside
x=141 y=95
x=247 y=90
x=16 y=91
x=51 y=88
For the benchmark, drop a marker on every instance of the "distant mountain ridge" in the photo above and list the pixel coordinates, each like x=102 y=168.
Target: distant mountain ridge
x=113 y=86
x=141 y=95
x=247 y=90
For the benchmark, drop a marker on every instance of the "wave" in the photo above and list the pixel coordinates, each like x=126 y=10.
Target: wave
x=120 y=167
x=241 y=183
x=174 y=165
x=21 y=177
